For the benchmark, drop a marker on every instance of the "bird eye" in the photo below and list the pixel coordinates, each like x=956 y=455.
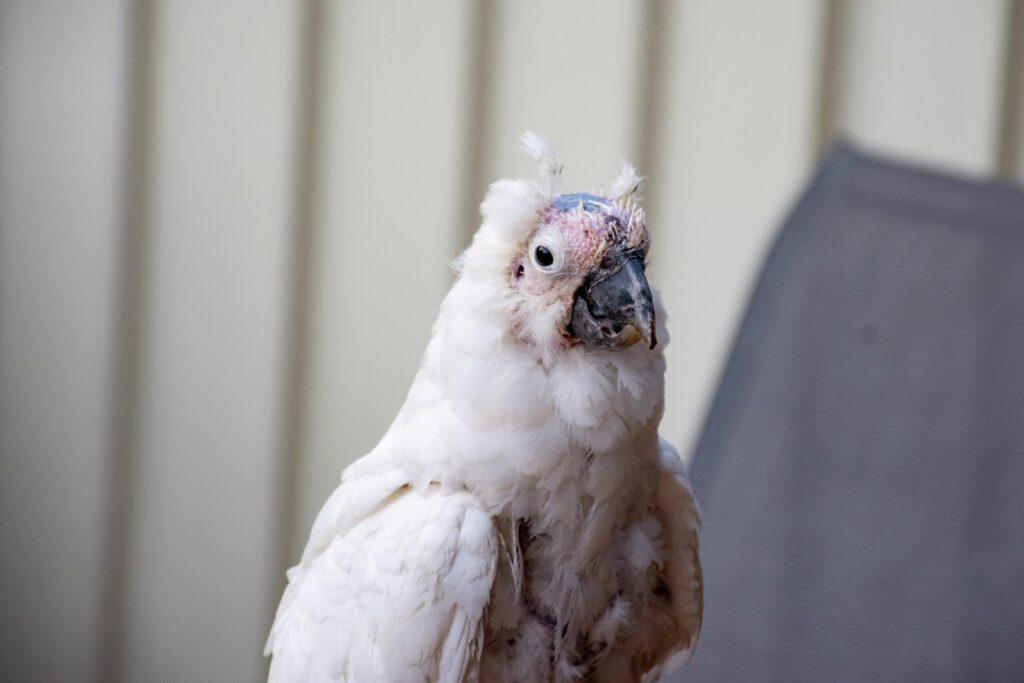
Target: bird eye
x=543 y=256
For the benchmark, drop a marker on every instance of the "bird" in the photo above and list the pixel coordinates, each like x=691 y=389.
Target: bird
x=521 y=520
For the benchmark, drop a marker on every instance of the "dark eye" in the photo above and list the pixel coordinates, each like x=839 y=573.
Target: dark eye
x=543 y=256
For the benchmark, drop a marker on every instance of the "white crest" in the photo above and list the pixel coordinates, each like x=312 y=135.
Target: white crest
x=541 y=149
x=628 y=182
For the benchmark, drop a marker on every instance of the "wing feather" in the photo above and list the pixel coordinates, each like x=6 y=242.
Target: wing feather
x=680 y=515
x=397 y=596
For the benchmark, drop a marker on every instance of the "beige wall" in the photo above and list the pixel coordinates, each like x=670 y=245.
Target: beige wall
x=225 y=228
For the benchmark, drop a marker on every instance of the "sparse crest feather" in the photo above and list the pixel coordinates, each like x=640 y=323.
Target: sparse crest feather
x=628 y=182
x=541 y=149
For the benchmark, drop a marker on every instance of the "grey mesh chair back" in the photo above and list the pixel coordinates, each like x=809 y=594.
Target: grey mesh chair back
x=861 y=470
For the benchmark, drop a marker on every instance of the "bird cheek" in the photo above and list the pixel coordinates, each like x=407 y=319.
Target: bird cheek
x=526 y=279
x=534 y=283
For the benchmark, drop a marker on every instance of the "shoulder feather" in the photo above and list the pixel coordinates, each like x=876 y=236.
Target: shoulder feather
x=398 y=596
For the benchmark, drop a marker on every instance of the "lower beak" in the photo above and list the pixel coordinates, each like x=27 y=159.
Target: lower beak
x=617 y=310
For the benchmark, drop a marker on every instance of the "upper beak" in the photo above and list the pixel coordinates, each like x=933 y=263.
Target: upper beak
x=615 y=309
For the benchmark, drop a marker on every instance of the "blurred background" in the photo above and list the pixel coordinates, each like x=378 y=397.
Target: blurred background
x=225 y=229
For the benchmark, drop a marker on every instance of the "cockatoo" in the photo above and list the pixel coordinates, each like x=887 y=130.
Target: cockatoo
x=521 y=520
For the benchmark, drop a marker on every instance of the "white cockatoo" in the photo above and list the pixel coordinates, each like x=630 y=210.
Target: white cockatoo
x=521 y=520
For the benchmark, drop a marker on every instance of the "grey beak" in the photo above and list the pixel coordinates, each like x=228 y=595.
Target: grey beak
x=615 y=309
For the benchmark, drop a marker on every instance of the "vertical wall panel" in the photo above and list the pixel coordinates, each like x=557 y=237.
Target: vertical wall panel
x=737 y=133
x=1018 y=140
x=1011 y=141
x=61 y=78
x=201 y=553
x=569 y=71
x=921 y=79
x=387 y=222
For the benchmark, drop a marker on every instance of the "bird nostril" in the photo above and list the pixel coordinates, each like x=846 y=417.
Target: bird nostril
x=605 y=330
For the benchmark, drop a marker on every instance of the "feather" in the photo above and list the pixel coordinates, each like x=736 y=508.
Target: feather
x=510 y=210
x=370 y=607
x=627 y=183
x=544 y=152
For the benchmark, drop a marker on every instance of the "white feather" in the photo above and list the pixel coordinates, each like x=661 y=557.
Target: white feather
x=628 y=182
x=510 y=210
x=541 y=149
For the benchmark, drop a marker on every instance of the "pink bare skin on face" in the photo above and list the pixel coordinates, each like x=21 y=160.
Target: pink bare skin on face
x=579 y=232
x=581 y=274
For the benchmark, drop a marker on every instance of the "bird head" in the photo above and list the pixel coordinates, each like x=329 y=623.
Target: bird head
x=571 y=264
x=587 y=256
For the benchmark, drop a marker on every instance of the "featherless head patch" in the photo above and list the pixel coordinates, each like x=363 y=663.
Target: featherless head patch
x=593 y=224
